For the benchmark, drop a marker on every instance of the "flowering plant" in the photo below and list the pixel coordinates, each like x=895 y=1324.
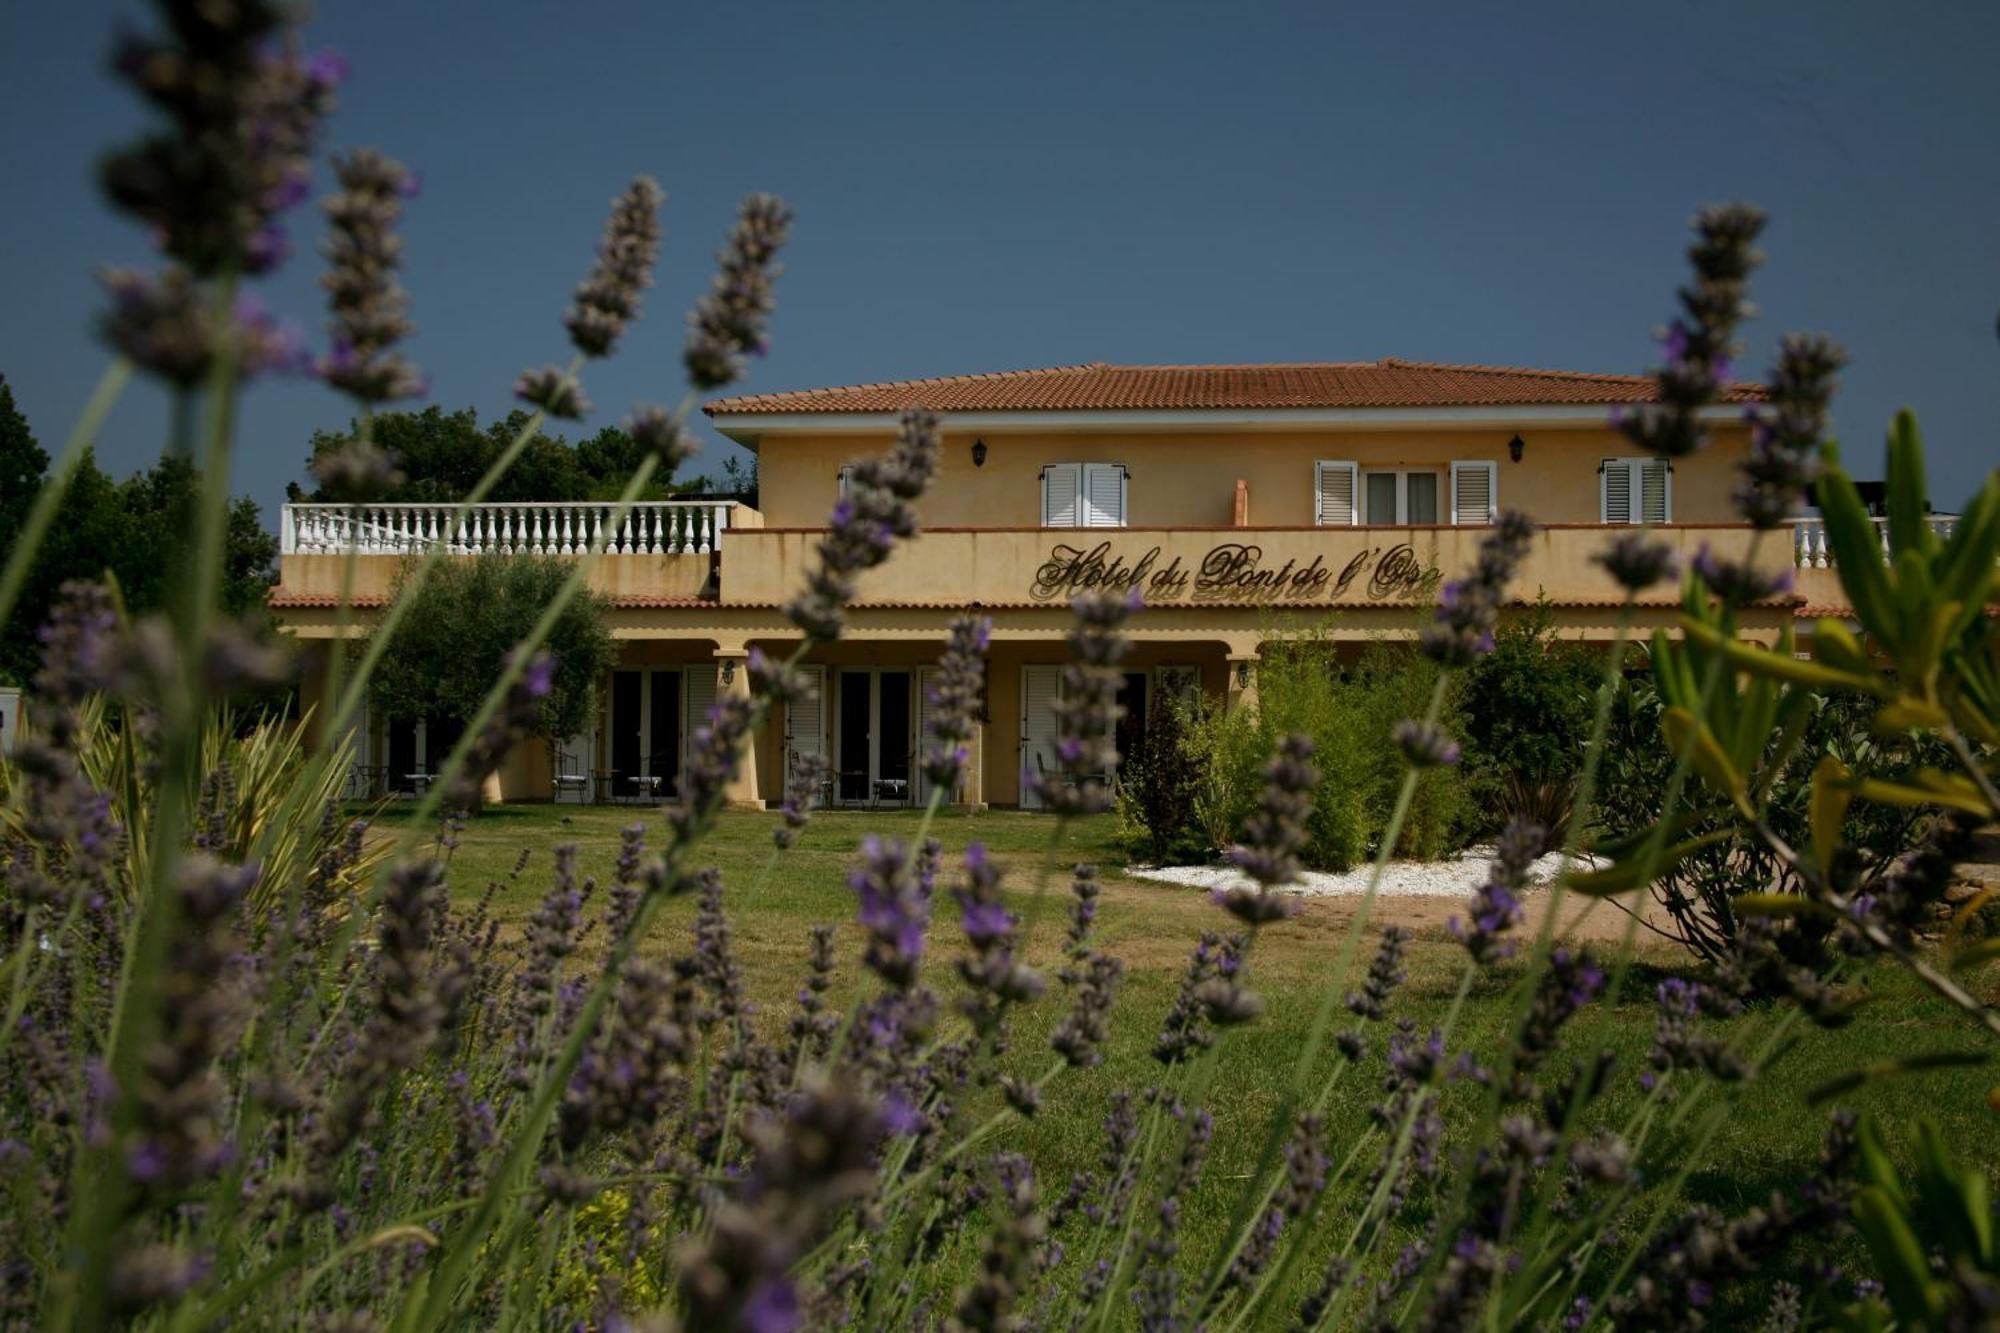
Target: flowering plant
x=261 y=1066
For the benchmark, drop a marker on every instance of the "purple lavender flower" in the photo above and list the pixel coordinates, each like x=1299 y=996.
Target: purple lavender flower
x=893 y=911
x=1697 y=345
x=242 y=111
x=1786 y=434
x=1185 y=1031
x=1008 y=1258
x=178 y=1104
x=518 y=716
x=728 y=323
x=1495 y=908
x=659 y=433
x=865 y=525
x=555 y=391
x=369 y=307
x=1081 y=1035
x=956 y=697
x=715 y=757
x=1469 y=608
x=809 y=1161
x=1738 y=583
x=608 y=298
x=1087 y=710
x=167 y=325
x=1385 y=973
x=802 y=787
x=1424 y=744
x=1274 y=836
x=1636 y=563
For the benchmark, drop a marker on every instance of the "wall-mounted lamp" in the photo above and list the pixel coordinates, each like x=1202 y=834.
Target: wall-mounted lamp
x=728 y=670
x=979 y=453
x=1515 y=447
x=1243 y=674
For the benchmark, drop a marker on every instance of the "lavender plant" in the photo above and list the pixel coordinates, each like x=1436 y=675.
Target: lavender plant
x=256 y=1073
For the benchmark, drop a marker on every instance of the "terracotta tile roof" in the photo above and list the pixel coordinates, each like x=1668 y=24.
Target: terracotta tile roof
x=322 y=601
x=1390 y=382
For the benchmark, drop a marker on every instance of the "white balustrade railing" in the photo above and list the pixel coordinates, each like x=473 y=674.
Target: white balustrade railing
x=1811 y=551
x=653 y=527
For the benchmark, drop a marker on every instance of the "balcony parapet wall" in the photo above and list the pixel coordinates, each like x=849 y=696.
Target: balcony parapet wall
x=1319 y=567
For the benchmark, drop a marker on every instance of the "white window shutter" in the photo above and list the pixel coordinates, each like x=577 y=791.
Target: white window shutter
x=698 y=680
x=1615 y=491
x=805 y=716
x=1333 y=494
x=1103 y=495
x=846 y=479
x=1040 y=687
x=926 y=716
x=1062 y=495
x=1656 y=490
x=1474 y=483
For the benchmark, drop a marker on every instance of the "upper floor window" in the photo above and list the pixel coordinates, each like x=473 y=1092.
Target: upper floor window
x=1635 y=490
x=1083 y=495
x=1399 y=495
x=1345 y=493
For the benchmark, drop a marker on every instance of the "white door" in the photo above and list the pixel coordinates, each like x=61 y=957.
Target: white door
x=805 y=721
x=926 y=681
x=580 y=751
x=1175 y=681
x=1041 y=686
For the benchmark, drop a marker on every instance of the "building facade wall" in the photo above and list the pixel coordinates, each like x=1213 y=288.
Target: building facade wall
x=1189 y=478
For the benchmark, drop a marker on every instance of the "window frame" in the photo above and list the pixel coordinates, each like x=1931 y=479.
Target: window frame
x=1353 y=470
x=1635 y=484
x=1086 y=512
x=1464 y=465
x=1402 y=474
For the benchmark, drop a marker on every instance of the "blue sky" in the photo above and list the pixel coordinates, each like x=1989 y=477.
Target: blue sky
x=1000 y=186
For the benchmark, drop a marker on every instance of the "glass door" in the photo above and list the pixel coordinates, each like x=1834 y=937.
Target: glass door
x=663 y=743
x=874 y=748
x=628 y=730
x=856 y=771
x=892 y=738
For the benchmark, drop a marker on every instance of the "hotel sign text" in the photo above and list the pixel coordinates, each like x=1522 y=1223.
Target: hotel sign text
x=1235 y=572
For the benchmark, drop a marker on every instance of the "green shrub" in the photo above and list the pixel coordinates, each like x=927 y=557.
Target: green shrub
x=1389 y=683
x=1160 y=785
x=1348 y=710
x=1228 y=742
x=1528 y=707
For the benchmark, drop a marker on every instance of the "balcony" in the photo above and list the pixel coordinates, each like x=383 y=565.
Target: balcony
x=719 y=551
x=1811 y=551
x=664 y=552
x=654 y=527
x=1312 y=568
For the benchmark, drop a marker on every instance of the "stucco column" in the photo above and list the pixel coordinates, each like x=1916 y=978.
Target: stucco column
x=972 y=788
x=1240 y=687
x=732 y=677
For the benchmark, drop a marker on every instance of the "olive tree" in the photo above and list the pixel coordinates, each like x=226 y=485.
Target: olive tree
x=467 y=616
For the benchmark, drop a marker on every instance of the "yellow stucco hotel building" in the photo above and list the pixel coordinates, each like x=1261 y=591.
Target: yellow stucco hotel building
x=1239 y=498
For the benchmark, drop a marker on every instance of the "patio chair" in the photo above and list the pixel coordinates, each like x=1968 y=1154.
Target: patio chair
x=1068 y=781
x=814 y=773
x=568 y=778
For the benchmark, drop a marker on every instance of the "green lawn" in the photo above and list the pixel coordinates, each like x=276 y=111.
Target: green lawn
x=1768 y=1137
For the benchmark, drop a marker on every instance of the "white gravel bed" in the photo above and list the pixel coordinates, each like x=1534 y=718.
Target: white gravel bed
x=1454 y=878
